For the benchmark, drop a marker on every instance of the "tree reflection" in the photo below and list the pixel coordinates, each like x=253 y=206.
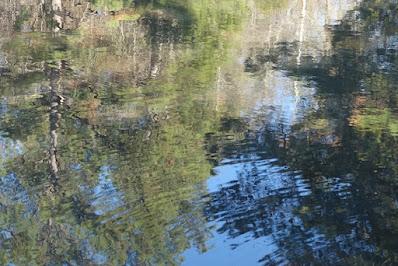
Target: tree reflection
x=114 y=113
x=106 y=173
x=340 y=204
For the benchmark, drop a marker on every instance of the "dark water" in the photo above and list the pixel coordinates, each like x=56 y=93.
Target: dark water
x=198 y=132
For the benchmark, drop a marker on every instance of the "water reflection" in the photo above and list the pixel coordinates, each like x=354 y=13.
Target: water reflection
x=337 y=178
x=197 y=132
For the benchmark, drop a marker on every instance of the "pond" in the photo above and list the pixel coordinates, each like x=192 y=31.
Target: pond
x=198 y=132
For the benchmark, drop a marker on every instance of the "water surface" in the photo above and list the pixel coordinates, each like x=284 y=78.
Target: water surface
x=198 y=132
